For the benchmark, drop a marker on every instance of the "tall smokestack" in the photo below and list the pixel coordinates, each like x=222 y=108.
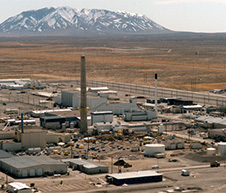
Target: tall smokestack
x=83 y=110
x=156 y=93
x=22 y=122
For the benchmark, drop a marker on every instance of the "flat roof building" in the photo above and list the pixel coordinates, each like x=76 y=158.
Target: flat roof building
x=86 y=166
x=29 y=166
x=134 y=177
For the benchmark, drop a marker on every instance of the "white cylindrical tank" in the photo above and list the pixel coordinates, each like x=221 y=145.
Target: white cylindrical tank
x=221 y=148
x=211 y=151
x=151 y=149
x=161 y=129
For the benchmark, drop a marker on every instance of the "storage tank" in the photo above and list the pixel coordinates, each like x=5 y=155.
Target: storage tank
x=151 y=149
x=211 y=151
x=221 y=148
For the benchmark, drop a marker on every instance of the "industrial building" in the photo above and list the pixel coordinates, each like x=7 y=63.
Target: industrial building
x=217 y=134
x=71 y=119
x=86 y=166
x=10 y=145
x=99 y=127
x=211 y=122
x=73 y=99
x=31 y=138
x=54 y=138
x=139 y=115
x=134 y=177
x=101 y=116
x=29 y=166
x=38 y=114
x=141 y=127
x=119 y=108
x=95 y=103
x=175 y=145
x=176 y=101
x=18 y=187
x=16 y=84
x=51 y=122
x=221 y=148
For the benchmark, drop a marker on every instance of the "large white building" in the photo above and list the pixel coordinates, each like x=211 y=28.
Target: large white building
x=73 y=99
x=96 y=103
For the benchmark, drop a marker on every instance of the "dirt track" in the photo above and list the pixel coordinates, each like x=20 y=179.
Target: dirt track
x=191 y=62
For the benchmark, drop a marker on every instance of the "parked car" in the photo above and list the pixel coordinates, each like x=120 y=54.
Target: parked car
x=185 y=173
x=155 y=167
x=215 y=164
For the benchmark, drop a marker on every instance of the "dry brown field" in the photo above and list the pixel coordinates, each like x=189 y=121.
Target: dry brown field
x=184 y=61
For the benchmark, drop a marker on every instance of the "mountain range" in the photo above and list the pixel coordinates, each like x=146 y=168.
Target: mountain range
x=66 y=20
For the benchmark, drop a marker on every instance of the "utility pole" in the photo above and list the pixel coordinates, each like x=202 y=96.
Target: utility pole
x=111 y=164
x=83 y=110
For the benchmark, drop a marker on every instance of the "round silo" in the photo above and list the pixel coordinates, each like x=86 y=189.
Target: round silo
x=211 y=151
x=151 y=149
x=221 y=148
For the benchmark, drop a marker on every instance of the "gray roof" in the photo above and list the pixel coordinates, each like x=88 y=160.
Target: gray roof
x=30 y=161
x=4 y=154
x=85 y=163
x=138 y=174
x=210 y=119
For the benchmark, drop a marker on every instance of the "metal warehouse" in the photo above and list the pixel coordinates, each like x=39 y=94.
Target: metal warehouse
x=87 y=166
x=134 y=177
x=28 y=166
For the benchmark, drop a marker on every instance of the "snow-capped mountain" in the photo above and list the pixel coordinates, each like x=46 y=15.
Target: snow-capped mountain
x=69 y=20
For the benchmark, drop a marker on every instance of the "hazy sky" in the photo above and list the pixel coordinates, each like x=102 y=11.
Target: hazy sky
x=180 y=15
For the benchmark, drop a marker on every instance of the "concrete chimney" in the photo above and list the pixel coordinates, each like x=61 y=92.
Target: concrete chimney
x=83 y=109
x=156 y=94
